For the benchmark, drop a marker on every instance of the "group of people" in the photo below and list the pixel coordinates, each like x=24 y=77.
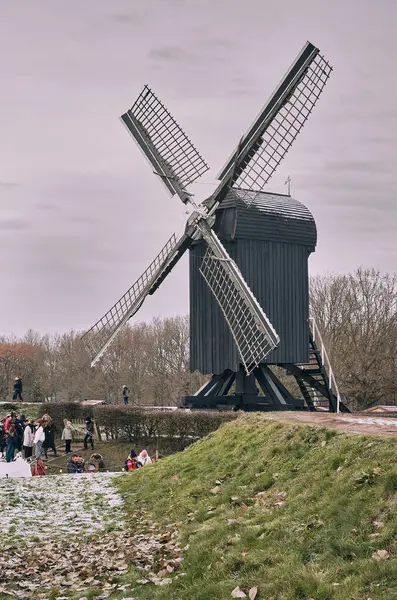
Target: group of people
x=67 y=435
x=76 y=464
x=19 y=435
x=135 y=461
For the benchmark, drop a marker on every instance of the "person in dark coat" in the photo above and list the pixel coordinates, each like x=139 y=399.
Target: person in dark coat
x=49 y=441
x=89 y=433
x=19 y=432
x=126 y=394
x=17 y=389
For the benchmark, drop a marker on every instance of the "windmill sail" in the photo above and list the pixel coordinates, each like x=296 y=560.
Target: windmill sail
x=98 y=338
x=252 y=331
x=277 y=126
x=167 y=147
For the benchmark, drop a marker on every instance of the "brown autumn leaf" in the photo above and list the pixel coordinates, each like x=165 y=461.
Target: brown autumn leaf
x=253 y=593
x=237 y=593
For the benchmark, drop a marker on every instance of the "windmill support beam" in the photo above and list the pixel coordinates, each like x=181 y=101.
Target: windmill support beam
x=217 y=385
x=286 y=394
x=215 y=393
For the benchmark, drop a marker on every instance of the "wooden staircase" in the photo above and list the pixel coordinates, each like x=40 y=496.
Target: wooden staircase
x=316 y=379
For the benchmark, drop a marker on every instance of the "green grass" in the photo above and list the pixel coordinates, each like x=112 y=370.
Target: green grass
x=29 y=409
x=296 y=511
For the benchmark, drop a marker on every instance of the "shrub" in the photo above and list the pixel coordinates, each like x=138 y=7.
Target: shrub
x=128 y=423
x=9 y=407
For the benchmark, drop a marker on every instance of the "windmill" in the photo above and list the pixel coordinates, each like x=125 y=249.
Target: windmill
x=178 y=164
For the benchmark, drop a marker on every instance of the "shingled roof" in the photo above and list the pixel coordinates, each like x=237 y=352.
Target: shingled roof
x=267 y=216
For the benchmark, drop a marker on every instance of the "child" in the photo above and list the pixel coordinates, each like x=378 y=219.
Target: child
x=131 y=462
x=67 y=435
x=96 y=463
x=37 y=468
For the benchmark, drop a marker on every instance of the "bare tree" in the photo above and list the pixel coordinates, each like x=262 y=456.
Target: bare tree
x=357 y=316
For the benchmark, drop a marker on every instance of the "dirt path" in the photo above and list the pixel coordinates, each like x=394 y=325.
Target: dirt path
x=351 y=424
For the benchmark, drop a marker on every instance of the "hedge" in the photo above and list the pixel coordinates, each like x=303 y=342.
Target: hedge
x=127 y=423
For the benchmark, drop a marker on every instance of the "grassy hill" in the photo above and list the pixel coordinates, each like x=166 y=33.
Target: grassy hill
x=297 y=512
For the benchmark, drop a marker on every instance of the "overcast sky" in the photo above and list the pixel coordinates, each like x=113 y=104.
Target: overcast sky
x=81 y=214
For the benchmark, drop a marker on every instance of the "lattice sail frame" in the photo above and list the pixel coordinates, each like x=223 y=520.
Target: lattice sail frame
x=272 y=133
x=281 y=132
x=97 y=339
x=173 y=156
x=252 y=331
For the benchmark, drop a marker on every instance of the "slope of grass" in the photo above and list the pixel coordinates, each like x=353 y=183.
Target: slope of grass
x=298 y=512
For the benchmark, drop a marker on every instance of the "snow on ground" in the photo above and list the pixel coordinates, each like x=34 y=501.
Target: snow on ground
x=369 y=421
x=68 y=505
x=65 y=534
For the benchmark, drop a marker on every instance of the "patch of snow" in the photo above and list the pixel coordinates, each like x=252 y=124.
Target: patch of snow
x=54 y=506
x=369 y=421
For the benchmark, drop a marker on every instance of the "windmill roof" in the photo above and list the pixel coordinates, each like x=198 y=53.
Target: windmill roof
x=263 y=215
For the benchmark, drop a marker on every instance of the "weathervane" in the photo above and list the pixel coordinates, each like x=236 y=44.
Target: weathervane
x=288 y=184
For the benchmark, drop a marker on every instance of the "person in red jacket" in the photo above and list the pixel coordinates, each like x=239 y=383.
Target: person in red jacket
x=10 y=419
x=131 y=462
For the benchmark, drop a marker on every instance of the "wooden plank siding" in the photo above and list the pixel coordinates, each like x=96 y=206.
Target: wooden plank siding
x=270 y=237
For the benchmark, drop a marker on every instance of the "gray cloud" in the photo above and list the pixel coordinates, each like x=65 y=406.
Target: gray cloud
x=87 y=213
x=7 y=184
x=366 y=167
x=125 y=18
x=170 y=53
x=13 y=224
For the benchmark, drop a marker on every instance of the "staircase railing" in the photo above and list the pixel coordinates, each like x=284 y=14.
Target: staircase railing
x=325 y=361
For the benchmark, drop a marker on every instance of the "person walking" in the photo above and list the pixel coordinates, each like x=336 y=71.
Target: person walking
x=39 y=438
x=126 y=394
x=67 y=436
x=28 y=438
x=17 y=389
x=89 y=433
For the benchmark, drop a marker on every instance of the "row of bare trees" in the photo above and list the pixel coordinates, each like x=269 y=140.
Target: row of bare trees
x=356 y=314
x=357 y=317
x=152 y=359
